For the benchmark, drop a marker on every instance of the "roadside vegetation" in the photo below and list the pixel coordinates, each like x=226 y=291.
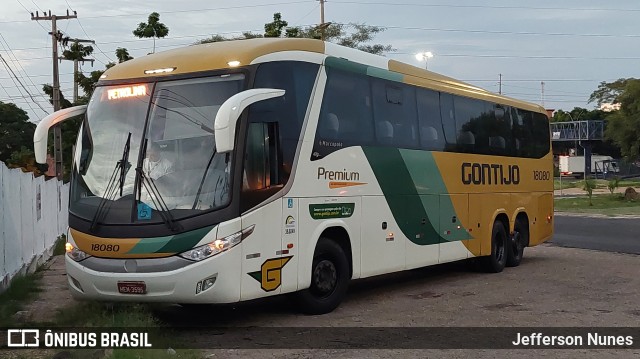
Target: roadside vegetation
x=570 y=182
x=22 y=289
x=607 y=204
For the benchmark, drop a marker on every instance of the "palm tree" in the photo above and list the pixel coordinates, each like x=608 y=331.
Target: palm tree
x=154 y=28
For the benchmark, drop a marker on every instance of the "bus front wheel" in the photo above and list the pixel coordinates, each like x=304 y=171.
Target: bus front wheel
x=495 y=262
x=329 y=279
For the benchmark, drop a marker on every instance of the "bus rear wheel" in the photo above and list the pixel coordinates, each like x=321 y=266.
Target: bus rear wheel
x=517 y=242
x=495 y=262
x=329 y=279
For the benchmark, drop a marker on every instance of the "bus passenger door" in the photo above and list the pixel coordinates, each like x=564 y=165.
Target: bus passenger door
x=262 y=253
x=454 y=223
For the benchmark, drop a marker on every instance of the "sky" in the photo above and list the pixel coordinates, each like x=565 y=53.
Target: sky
x=569 y=45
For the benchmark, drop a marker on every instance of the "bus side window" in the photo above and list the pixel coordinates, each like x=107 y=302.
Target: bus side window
x=447 y=114
x=394 y=112
x=345 y=116
x=430 y=124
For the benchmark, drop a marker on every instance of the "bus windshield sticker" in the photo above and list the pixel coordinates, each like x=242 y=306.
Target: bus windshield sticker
x=332 y=210
x=144 y=211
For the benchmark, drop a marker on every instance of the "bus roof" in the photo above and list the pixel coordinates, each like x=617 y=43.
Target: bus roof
x=219 y=55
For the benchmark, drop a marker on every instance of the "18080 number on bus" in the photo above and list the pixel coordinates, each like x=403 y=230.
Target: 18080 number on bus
x=96 y=247
x=541 y=175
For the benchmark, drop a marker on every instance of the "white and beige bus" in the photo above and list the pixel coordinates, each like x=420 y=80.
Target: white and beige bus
x=237 y=170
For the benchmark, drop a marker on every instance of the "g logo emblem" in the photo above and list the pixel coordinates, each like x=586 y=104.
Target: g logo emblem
x=270 y=274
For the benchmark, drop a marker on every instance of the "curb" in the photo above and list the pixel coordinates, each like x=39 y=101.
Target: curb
x=596 y=215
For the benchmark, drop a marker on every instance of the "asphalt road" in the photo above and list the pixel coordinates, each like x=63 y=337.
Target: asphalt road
x=604 y=234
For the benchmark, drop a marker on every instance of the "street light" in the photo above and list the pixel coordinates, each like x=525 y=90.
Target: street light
x=424 y=56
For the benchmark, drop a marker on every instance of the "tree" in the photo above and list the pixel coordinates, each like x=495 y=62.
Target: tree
x=26 y=159
x=77 y=51
x=274 y=28
x=608 y=92
x=153 y=28
x=623 y=127
x=352 y=35
x=15 y=130
x=123 y=55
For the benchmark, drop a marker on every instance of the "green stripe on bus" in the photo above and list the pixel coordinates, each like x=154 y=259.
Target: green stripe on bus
x=384 y=74
x=185 y=241
x=345 y=65
x=170 y=244
x=149 y=245
x=427 y=180
x=401 y=195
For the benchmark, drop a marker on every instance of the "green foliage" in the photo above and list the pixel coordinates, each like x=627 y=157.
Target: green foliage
x=25 y=158
x=613 y=184
x=623 y=127
x=15 y=131
x=274 y=28
x=357 y=36
x=21 y=289
x=77 y=51
x=123 y=55
x=153 y=28
x=578 y=114
x=609 y=92
x=588 y=186
x=59 y=246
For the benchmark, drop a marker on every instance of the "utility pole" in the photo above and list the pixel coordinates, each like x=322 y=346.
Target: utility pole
x=500 y=85
x=75 y=66
x=542 y=92
x=322 y=25
x=55 y=37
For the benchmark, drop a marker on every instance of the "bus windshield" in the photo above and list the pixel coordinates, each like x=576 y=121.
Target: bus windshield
x=149 y=148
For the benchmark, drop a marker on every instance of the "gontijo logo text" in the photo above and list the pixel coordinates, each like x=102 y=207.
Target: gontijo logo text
x=494 y=174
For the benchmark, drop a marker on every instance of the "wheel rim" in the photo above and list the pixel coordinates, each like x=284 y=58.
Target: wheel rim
x=499 y=245
x=325 y=278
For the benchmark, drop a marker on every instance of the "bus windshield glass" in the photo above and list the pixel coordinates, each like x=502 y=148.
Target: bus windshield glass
x=149 y=148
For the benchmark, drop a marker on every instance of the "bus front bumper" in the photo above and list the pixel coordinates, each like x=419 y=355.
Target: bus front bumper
x=183 y=285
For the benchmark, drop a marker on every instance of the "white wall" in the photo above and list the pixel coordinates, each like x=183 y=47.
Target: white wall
x=27 y=235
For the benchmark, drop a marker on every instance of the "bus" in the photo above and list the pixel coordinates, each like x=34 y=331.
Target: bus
x=237 y=170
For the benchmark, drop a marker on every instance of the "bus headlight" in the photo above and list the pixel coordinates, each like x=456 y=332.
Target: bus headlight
x=217 y=246
x=73 y=252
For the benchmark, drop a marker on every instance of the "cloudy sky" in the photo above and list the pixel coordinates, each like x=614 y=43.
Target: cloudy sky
x=570 y=45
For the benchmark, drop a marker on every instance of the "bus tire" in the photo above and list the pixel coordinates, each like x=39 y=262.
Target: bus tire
x=329 y=279
x=517 y=242
x=495 y=262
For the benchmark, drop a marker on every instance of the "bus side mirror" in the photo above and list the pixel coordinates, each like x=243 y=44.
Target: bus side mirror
x=42 y=130
x=230 y=110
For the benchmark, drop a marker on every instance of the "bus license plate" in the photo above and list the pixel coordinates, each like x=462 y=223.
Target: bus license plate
x=132 y=287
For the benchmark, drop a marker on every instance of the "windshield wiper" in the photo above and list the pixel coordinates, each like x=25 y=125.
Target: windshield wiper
x=109 y=194
x=155 y=195
x=204 y=176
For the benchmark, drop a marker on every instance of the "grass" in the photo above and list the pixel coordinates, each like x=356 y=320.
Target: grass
x=606 y=204
x=59 y=246
x=21 y=290
x=138 y=317
x=570 y=182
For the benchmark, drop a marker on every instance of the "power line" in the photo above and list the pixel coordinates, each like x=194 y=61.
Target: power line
x=503 y=32
x=493 y=7
x=85 y=32
x=184 y=11
x=15 y=61
x=27 y=10
x=22 y=85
